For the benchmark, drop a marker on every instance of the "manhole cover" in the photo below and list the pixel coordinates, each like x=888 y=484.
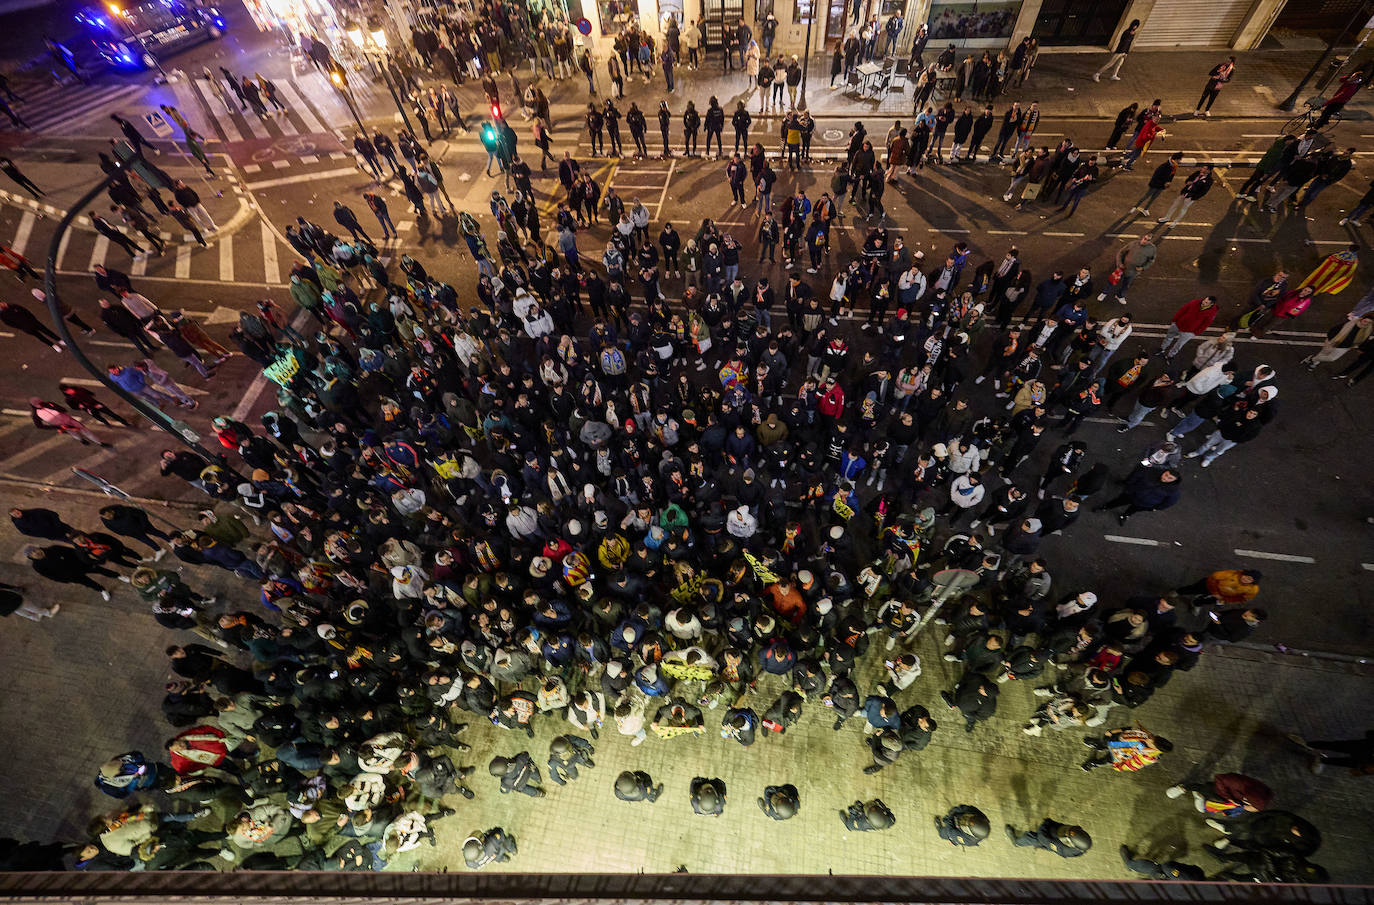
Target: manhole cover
x=832 y=135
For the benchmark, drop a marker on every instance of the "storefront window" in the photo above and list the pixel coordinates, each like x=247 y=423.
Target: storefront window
x=973 y=21
x=616 y=14
x=669 y=9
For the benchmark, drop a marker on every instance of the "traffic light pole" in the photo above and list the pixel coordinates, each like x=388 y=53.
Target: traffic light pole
x=146 y=409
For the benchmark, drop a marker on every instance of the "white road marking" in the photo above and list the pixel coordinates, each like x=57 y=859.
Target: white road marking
x=102 y=248
x=301 y=108
x=1065 y=235
x=1141 y=541
x=1367 y=566
x=1281 y=557
x=280 y=164
x=22 y=234
x=88 y=462
x=183 y=261
x=62 y=247
x=269 y=255
x=308 y=177
x=947 y=229
x=226 y=259
x=140 y=265
x=33 y=452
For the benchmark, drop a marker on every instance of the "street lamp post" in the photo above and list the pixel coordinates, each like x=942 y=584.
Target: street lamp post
x=147 y=410
x=1291 y=100
x=337 y=77
x=377 y=35
x=806 y=49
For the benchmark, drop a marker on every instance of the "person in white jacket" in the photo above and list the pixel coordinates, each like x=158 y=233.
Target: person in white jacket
x=1110 y=336
x=740 y=523
x=965 y=492
x=539 y=323
x=964 y=457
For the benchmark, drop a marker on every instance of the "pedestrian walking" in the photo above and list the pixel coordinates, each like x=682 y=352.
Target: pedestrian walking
x=1159 y=181
x=189 y=198
x=16 y=262
x=83 y=400
x=22 y=319
x=123 y=323
x=1132 y=260
x=135 y=137
x=53 y=416
x=187 y=222
x=1195 y=188
x=1118 y=57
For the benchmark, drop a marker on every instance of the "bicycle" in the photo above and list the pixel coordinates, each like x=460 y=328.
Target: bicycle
x=1310 y=118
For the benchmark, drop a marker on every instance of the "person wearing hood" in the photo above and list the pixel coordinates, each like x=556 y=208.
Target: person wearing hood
x=1235 y=426
x=1146 y=490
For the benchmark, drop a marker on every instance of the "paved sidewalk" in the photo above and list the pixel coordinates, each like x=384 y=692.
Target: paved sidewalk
x=1061 y=82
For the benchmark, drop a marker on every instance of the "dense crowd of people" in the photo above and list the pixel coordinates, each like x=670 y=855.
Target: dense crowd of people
x=570 y=511
x=570 y=517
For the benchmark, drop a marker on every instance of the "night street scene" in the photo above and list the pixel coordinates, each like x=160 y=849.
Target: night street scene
x=422 y=456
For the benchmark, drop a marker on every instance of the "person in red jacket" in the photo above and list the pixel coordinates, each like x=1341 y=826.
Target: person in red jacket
x=831 y=403
x=1188 y=321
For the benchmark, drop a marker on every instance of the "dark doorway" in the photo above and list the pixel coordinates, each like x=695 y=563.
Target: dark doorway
x=1078 y=21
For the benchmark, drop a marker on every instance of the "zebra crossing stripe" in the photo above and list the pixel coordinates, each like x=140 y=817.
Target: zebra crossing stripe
x=269 y=255
x=98 y=253
x=226 y=259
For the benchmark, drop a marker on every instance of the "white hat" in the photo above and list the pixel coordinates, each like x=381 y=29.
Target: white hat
x=1087 y=598
x=1032 y=525
x=940 y=450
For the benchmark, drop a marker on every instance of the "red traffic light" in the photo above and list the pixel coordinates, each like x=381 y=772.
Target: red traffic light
x=495 y=111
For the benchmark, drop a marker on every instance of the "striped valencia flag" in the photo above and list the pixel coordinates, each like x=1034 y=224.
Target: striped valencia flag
x=1333 y=274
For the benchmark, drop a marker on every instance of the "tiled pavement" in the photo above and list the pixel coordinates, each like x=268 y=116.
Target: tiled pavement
x=87 y=684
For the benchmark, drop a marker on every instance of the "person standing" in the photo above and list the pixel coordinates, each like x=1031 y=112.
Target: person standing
x=122 y=322
x=1332 y=168
x=1195 y=188
x=741 y=121
x=691 y=35
x=1131 y=260
x=1234 y=426
x=377 y=205
x=1188 y=321
x=187 y=222
x=1220 y=75
x=1146 y=490
x=1159 y=181
x=1118 y=57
